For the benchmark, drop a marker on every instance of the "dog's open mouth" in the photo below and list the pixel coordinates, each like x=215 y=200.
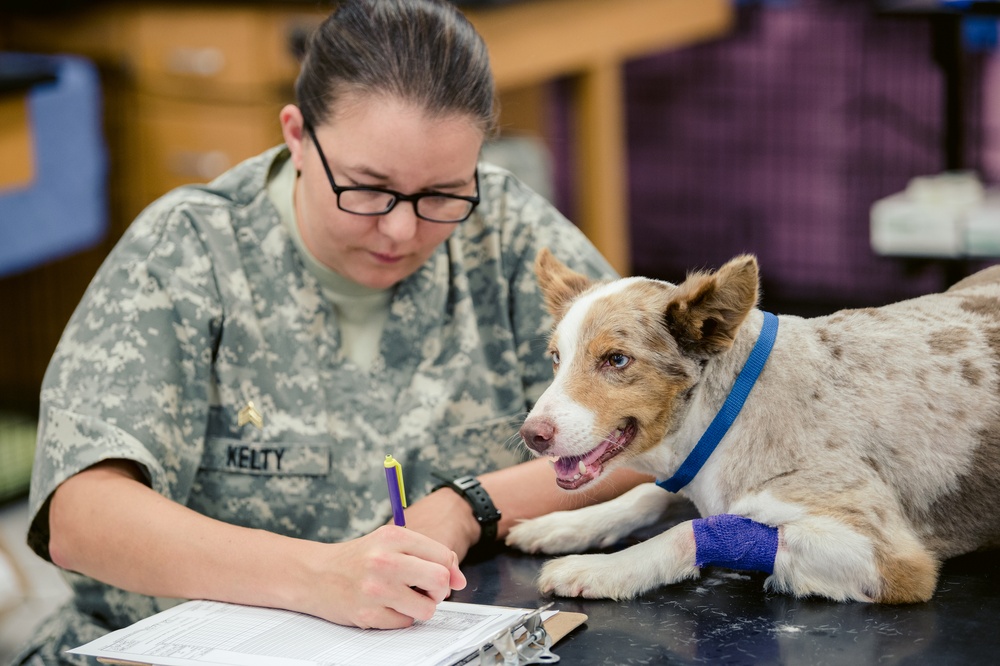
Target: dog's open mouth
x=575 y=471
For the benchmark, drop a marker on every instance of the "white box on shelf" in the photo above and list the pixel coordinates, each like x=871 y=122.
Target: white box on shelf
x=982 y=227
x=926 y=219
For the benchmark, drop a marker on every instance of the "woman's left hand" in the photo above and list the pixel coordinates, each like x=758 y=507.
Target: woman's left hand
x=522 y=491
x=446 y=517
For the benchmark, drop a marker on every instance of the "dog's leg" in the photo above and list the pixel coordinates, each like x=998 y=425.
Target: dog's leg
x=810 y=555
x=597 y=526
x=861 y=551
x=727 y=540
x=822 y=556
x=664 y=559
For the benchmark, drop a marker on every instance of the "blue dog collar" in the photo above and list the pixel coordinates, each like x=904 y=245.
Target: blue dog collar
x=730 y=408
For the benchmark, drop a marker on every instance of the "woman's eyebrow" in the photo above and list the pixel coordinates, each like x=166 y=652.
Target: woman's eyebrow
x=378 y=175
x=451 y=185
x=367 y=171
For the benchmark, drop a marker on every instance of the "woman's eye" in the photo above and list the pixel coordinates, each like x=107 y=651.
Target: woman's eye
x=618 y=360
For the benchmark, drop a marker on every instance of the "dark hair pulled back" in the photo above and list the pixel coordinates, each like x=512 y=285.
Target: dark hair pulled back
x=420 y=51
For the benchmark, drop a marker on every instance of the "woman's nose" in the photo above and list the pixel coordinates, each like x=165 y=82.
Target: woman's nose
x=400 y=223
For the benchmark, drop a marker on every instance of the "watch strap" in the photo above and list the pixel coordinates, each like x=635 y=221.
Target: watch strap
x=485 y=512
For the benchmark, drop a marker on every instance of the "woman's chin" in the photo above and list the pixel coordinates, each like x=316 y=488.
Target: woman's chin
x=380 y=275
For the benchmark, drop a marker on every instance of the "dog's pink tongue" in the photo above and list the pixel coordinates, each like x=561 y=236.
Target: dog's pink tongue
x=568 y=469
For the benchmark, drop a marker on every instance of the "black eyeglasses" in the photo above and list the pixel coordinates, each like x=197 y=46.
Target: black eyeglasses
x=430 y=206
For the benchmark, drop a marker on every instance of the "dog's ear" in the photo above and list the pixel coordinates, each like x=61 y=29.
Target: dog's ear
x=559 y=283
x=708 y=309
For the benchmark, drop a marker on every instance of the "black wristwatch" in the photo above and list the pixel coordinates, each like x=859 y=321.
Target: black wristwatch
x=483 y=509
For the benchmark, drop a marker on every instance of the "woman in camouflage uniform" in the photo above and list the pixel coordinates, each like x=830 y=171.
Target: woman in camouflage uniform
x=216 y=415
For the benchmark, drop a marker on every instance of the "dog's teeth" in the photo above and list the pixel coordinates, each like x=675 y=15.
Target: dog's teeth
x=583 y=467
x=618 y=433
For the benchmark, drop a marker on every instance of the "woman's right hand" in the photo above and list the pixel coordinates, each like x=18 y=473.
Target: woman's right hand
x=386 y=579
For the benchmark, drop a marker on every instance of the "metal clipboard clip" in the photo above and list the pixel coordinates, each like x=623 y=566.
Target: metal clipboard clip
x=524 y=642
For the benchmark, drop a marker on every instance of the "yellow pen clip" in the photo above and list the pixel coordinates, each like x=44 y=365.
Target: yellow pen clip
x=392 y=462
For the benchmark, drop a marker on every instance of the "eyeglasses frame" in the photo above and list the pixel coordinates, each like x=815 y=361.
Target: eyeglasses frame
x=397 y=196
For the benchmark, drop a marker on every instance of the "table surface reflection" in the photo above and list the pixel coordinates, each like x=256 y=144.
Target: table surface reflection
x=726 y=617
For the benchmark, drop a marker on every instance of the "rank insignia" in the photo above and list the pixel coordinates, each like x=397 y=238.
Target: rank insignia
x=249 y=414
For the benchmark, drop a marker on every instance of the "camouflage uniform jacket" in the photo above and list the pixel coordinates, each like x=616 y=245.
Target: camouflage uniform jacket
x=205 y=305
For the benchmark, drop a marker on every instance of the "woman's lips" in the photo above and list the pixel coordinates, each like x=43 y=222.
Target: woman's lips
x=387 y=258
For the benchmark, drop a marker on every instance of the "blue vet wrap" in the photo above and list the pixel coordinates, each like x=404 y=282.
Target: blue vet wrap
x=735 y=542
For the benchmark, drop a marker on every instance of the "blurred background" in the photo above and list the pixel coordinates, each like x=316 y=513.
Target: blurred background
x=677 y=133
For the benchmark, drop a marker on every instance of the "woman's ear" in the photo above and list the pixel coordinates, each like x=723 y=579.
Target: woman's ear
x=293 y=130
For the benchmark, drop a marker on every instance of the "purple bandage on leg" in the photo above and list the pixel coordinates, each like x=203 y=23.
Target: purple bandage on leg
x=735 y=542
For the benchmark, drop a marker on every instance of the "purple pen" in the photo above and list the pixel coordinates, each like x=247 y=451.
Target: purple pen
x=397 y=493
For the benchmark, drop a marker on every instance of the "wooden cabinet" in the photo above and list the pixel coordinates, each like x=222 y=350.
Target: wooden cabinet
x=224 y=53
x=209 y=84
x=196 y=87
x=182 y=141
x=191 y=89
x=188 y=91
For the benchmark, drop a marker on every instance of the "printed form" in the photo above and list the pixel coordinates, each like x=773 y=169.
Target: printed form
x=212 y=632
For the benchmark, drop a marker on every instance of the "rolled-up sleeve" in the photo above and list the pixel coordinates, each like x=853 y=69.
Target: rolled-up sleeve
x=131 y=376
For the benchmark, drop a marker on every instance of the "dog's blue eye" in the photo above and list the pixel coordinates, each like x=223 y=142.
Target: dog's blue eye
x=619 y=361
x=555 y=358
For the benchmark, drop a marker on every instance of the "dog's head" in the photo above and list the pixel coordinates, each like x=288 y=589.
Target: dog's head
x=626 y=355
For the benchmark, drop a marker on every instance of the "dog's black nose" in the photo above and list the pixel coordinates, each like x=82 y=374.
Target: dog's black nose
x=538 y=435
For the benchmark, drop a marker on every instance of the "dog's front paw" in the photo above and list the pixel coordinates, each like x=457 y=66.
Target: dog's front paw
x=589 y=576
x=598 y=526
x=557 y=533
x=661 y=560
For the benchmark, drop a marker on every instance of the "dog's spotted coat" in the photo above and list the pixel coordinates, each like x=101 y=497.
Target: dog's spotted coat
x=871 y=440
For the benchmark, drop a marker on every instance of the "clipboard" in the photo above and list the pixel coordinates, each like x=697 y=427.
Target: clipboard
x=526 y=641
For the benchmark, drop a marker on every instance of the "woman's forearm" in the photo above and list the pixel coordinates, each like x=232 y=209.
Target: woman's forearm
x=107 y=524
x=529 y=490
x=523 y=491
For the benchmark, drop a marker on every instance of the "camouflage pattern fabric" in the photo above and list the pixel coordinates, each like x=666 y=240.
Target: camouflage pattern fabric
x=205 y=305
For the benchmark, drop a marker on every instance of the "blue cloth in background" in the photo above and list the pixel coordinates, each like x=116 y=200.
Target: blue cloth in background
x=65 y=208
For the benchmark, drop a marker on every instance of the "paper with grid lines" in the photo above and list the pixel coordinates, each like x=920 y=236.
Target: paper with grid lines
x=211 y=632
